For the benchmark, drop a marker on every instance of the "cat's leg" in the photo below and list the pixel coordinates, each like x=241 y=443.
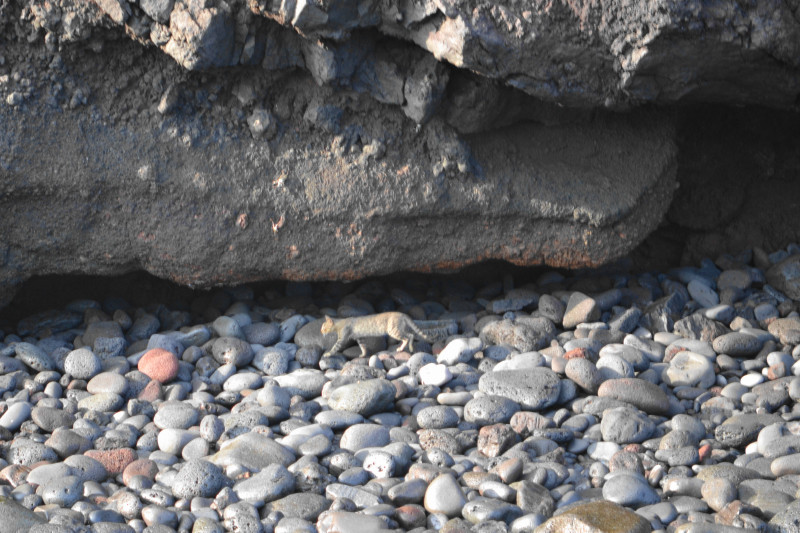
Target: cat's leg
x=363 y=347
x=335 y=348
x=403 y=345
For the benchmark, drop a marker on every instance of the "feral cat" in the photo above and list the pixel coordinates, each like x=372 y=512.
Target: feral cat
x=396 y=325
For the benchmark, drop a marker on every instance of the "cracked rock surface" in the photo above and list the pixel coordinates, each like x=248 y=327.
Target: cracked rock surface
x=212 y=142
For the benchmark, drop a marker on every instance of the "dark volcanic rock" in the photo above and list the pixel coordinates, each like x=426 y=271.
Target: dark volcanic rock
x=220 y=142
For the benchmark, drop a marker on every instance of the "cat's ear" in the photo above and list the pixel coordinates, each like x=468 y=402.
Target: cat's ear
x=328 y=320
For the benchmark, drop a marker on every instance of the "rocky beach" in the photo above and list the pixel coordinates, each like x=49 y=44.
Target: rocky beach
x=592 y=401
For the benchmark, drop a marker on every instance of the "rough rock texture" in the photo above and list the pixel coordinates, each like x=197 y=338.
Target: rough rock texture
x=213 y=142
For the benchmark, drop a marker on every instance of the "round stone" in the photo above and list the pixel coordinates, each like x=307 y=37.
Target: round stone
x=490 y=409
x=630 y=490
x=159 y=365
x=690 y=370
x=82 y=364
x=231 y=350
x=434 y=374
x=199 y=478
x=718 y=492
x=177 y=415
x=362 y=436
x=437 y=417
x=584 y=373
x=444 y=495
x=108 y=382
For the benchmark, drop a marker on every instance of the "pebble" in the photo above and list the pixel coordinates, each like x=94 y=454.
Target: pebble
x=159 y=365
x=533 y=388
x=365 y=397
x=737 y=344
x=435 y=374
x=640 y=393
x=689 y=369
x=515 y=421
x=596 y=517
x=444 y=496
x=82 y=364
x=15 y=416
x=629 y=490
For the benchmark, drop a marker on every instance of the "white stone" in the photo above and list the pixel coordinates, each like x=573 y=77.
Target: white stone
x=434 y=374
x=751 y=380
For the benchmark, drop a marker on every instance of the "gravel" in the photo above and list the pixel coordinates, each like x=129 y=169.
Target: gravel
x=582 y=411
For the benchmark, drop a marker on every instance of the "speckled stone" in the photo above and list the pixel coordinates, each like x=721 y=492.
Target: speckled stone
x=532 y=388
x=365 y=397
x=114 y=461
x=199 y=478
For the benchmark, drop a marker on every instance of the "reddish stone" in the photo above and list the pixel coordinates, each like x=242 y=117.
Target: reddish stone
x=151 y=392
x=776 y=371
x=114 y=461
x=140 y=467
x=704 y=452
x=159 y=365
x=578 y=353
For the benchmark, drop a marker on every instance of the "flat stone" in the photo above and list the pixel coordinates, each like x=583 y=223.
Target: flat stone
x=307 y=506
x=253 y=451
x=271 y=483
x=740 y=430
x=362 y=436
x=365 y=397
x=629 y=490
x=50 y=418
x=737 y=344
x=533 y=389
x=33 y=357
x=637 y=392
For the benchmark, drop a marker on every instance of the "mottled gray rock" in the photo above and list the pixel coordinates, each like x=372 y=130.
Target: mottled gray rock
x=534 y=388
x=199 y=478
x=365 y=397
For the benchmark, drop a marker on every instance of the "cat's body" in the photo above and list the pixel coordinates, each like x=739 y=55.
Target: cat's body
x=396 y=325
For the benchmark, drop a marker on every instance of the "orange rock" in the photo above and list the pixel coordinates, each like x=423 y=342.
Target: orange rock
x=114 y=461
x=159 y=365
x=140 y=467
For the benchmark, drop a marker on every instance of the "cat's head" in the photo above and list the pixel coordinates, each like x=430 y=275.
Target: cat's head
x=327 y=326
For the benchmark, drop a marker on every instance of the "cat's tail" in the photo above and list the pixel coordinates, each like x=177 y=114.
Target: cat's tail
x=434 y=330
